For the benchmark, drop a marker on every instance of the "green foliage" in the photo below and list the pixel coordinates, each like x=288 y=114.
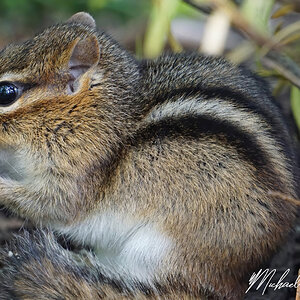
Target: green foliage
x=159 y=25
x=20 y=18
x=258 y=13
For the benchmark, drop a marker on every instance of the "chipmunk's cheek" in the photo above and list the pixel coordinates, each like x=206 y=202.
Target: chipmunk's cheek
x=10 y=165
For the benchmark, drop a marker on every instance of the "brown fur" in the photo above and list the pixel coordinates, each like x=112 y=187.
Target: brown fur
x=93 y=149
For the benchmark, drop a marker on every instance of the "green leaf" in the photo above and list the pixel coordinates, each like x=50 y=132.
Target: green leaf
x=258 y=13
x=96 y=4
x=295 y=104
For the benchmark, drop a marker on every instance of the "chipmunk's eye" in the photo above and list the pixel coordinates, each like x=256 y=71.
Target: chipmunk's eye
x=8 y=93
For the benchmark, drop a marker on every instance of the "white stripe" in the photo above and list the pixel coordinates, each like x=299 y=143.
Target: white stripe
x=223 y=111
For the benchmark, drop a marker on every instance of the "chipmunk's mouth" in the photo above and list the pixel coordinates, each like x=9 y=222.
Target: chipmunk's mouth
x=9 y=164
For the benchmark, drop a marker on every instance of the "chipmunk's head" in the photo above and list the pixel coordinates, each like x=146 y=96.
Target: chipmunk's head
x=63 y=105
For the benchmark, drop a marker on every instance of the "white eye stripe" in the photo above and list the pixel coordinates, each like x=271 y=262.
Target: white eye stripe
x=13 y=77
x=12 y=107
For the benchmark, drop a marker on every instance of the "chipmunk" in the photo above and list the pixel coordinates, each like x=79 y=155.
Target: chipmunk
x=160 y=169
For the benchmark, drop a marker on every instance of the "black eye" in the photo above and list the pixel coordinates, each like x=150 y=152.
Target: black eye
x=8 y=93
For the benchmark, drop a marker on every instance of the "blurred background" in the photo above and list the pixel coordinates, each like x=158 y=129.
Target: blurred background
x=264 y=35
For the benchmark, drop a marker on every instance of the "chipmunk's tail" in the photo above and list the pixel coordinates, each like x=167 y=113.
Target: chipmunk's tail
x=35 y=266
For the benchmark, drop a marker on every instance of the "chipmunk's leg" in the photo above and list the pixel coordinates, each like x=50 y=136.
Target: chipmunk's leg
x=17 y=197
x=13 y=194
x=29 y=200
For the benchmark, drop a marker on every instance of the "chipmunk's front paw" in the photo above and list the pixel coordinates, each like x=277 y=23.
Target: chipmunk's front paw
x=35 y=266
x=28 y=267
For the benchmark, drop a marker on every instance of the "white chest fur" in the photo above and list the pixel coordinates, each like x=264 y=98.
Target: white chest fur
x=123 y=245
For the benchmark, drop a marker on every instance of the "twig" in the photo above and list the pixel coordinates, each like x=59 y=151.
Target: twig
x=242 y=24
x=295 y=3
x=284 y=65
x=174 y=44
x=242 y=52
x=272 y=57
x=237 y=20
x=206 y=9
x=215 y=33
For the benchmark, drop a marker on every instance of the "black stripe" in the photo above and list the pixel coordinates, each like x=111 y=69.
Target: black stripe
x=252 y=105
x=223 y=93
x=198 y=127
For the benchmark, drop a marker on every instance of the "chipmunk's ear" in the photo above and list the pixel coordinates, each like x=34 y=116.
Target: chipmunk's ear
x=83 y=18
x=84 y=55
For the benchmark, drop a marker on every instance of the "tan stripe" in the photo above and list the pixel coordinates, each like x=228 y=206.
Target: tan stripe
x=219 y=109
